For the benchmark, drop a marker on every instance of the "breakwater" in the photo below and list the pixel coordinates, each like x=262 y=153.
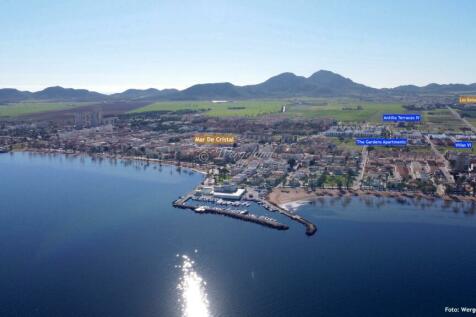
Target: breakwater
x=311 y=228
x=264 y=221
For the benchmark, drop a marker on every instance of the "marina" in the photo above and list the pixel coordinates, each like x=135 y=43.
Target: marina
x=242 y=214
x=220 y=201
x=237 y=214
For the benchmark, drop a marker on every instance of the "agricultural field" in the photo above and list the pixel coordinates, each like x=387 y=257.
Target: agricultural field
x=25 y=108
x=440 y=120
x=345 y=110
x=341 y=110
x=468 y=113
x=244 y=108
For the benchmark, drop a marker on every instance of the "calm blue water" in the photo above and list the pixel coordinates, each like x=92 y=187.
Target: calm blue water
x=100 y=238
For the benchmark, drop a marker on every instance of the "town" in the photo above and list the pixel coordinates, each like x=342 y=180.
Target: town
x=271 y=155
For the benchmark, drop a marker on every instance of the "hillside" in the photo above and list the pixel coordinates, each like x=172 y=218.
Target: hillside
x=322 y=83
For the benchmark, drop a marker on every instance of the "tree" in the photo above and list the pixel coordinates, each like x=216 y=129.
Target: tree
x=322 y=179
x=292 y=163
x=339 y=183
x=349 y=178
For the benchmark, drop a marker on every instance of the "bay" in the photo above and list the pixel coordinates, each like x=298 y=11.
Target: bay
x=84 y=237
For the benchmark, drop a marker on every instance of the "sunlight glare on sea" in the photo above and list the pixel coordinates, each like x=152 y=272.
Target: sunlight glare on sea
x=192 y=288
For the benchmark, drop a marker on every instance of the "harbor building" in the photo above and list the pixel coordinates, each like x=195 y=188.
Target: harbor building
x=236 y=195
x=228 y=190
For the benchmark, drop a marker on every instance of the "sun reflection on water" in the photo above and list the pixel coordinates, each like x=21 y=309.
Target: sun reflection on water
x=192 y=288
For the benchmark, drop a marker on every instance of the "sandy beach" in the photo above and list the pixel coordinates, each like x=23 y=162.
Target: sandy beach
x=290 y=199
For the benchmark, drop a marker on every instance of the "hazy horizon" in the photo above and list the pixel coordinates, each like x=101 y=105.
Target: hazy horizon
x=111 y=46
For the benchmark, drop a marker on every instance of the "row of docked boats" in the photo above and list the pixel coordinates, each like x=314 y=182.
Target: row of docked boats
x=220 y=201
x=237 y=211
x=267 y=206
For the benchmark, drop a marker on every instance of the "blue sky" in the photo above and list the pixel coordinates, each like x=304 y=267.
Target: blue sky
x=111 y=45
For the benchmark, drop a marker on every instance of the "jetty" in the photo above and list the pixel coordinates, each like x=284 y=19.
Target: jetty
x=242 y=215
x=311 y=228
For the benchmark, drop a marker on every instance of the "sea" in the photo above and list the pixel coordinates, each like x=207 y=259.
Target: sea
x=99 y=237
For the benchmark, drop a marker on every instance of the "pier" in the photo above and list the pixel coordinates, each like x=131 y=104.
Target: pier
x=182 y=200
x=311 y=228
x=264 y=221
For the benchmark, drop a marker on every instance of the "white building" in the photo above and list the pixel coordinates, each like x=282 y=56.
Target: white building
x=231 y=195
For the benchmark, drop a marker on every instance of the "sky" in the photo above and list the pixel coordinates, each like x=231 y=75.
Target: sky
x=113 y=45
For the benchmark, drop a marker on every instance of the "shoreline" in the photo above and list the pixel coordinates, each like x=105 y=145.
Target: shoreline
x=287 y=198
x=293 y=198
x=189 y=166
x=295 y=205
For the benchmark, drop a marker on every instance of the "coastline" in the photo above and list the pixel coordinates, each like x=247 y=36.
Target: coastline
x=293 y=198
x=189 y=166
x=289 y=199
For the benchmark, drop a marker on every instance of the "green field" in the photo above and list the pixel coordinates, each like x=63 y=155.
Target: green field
x=245 y=108
x=472 y=121
x=441 y=120
x=341 y=110
x=469 y=114
x=24 y=108
x=345 y=110
x=347 y=144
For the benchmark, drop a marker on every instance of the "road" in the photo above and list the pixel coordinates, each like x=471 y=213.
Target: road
x=458 y=116
x=358 y=180
x=449 y=178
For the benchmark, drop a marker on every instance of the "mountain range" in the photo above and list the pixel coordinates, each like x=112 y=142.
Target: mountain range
x=322 y=83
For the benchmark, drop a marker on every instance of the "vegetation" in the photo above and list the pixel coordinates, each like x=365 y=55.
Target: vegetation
x=441 y=120
x=345 y=110
x=347 y=144
x=467 y=112
x=223 y=175
x=247 y=108
x=24 y=108
x=444 y=149
x=326 y=179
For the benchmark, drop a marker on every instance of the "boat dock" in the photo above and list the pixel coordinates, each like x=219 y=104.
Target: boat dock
x=244 y=215
x=220 y=201
x=182 y=200
x=237 y=214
